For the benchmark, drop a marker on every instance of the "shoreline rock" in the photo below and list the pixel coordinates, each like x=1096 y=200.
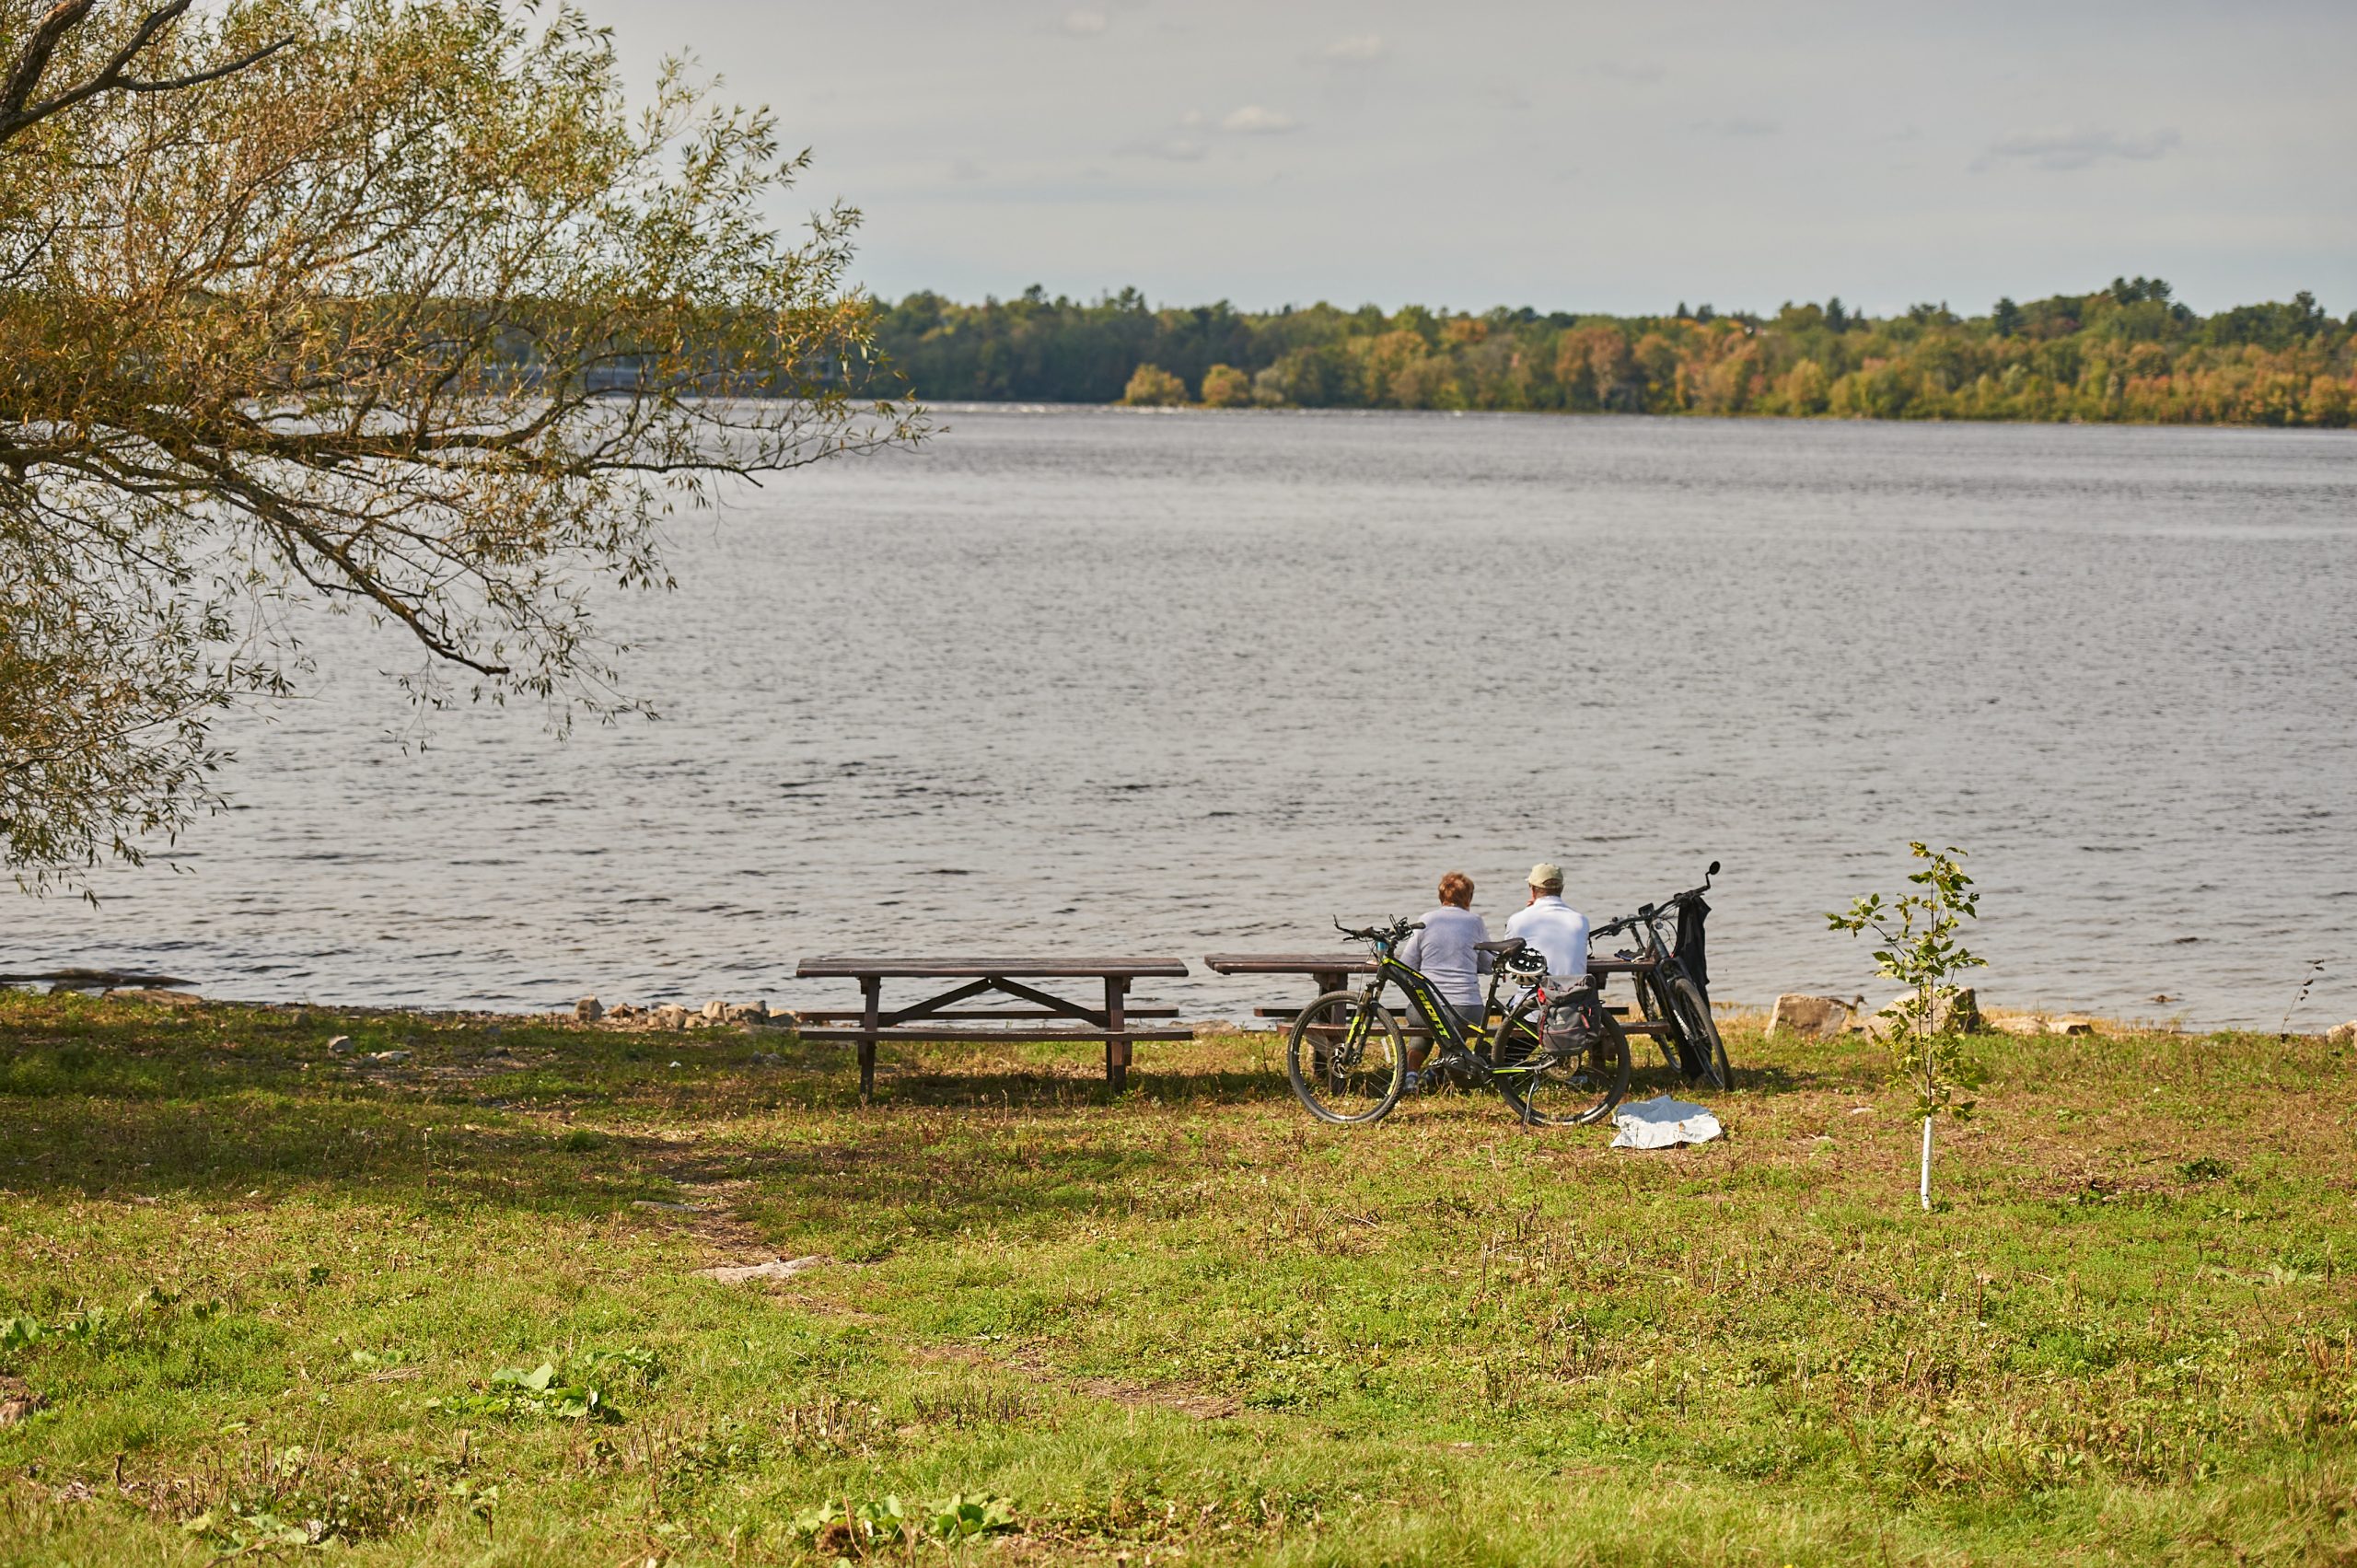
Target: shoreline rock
x=1815 y=1017
x=1960 y=1013
x=150 y=994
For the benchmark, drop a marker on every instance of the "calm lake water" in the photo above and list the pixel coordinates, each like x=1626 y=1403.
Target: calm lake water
x=1089 y=680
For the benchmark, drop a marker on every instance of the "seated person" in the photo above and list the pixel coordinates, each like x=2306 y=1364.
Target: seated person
x=1553 y=927
x=1443 y=953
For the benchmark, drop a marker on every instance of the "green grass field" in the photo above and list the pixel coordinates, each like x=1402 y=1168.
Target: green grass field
x=271 y=1297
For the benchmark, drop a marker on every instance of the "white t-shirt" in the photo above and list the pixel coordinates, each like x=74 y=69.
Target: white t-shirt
x=1557 y=930
x=1443 y=953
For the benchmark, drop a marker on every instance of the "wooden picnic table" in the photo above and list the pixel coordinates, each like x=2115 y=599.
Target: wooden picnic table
x=1329 y=972
x=933 y=1018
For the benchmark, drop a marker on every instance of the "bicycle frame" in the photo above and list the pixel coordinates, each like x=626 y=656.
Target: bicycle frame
x=1449 y=1037
x=1645 y=925
x=1438 y=1014
x=1660 y=951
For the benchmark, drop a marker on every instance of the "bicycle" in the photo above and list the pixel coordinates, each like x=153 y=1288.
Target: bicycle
x=1556 y=1056
x=1674 y=992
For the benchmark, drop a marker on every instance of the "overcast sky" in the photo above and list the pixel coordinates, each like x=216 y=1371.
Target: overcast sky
x=1582 y=156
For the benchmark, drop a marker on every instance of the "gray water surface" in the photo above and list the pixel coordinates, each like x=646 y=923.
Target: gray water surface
x=1078 y=679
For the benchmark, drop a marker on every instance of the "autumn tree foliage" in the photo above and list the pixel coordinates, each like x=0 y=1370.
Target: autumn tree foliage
x=1151 y=385
x=1226 y=387
x=389 y=306
x=2126 y=353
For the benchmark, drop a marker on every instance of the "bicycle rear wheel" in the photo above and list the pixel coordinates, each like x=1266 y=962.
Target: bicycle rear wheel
x=1566 y=1090
x=1701 y=1032
x=1346 y=1059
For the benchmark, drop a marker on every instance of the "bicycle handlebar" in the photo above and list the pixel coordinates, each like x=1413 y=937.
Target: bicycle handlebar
x=1391 y=935
x=1647 y=914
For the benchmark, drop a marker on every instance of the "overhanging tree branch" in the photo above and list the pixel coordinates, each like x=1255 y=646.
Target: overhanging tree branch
x=388 y=304
x=18 y=115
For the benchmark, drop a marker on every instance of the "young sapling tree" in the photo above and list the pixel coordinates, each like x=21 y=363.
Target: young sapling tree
x=1919 y=949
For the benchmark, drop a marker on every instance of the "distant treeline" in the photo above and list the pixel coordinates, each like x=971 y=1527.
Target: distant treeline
x=2129 y=353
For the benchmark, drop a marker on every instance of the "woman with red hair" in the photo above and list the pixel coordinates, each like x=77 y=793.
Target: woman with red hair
x=1444 y=953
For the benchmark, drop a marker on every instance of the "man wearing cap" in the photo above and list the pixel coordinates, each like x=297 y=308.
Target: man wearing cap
x=1551 y=925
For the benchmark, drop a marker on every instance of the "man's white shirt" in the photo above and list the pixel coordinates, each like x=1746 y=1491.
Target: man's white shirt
x=1557 y=930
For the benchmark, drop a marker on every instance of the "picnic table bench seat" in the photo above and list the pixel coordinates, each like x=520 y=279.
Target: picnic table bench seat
x=824 y=1016
x=1411 y=1025
x=940 y=1019
x=1330 y=972
x=1334 y=965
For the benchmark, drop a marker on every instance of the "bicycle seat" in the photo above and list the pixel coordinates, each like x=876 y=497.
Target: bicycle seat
x=1502 y=945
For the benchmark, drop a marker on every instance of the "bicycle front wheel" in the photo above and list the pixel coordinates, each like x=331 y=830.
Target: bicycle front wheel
x=1701 y=1033
x=1346 y=1059
x=1559 y=1088
x=1652 y=1000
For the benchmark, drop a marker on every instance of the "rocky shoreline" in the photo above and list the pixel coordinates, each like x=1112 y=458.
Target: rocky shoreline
x=1793 y=1013
x=1820 y=1017
x=589 y=1011
x=672 y=1016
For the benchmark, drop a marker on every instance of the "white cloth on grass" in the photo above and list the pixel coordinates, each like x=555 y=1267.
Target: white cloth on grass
x=1661 y=1121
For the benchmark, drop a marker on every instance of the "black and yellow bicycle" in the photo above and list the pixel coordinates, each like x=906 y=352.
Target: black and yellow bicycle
x=1554 y=1054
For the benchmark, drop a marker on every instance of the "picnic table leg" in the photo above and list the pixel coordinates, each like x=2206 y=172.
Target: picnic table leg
x=1117 y=1049
x=1330 y=980
x=871 y=990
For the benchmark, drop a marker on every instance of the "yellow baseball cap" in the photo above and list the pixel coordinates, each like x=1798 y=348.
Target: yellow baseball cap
x=1546 y=873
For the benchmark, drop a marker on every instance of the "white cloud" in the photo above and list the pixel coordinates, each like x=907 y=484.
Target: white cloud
x=1082 y=22
x=1254 y=120
x=966 y=170
x=2076 y=146
x=1641 y=72
x=1742 y=125
x=1361 y=49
